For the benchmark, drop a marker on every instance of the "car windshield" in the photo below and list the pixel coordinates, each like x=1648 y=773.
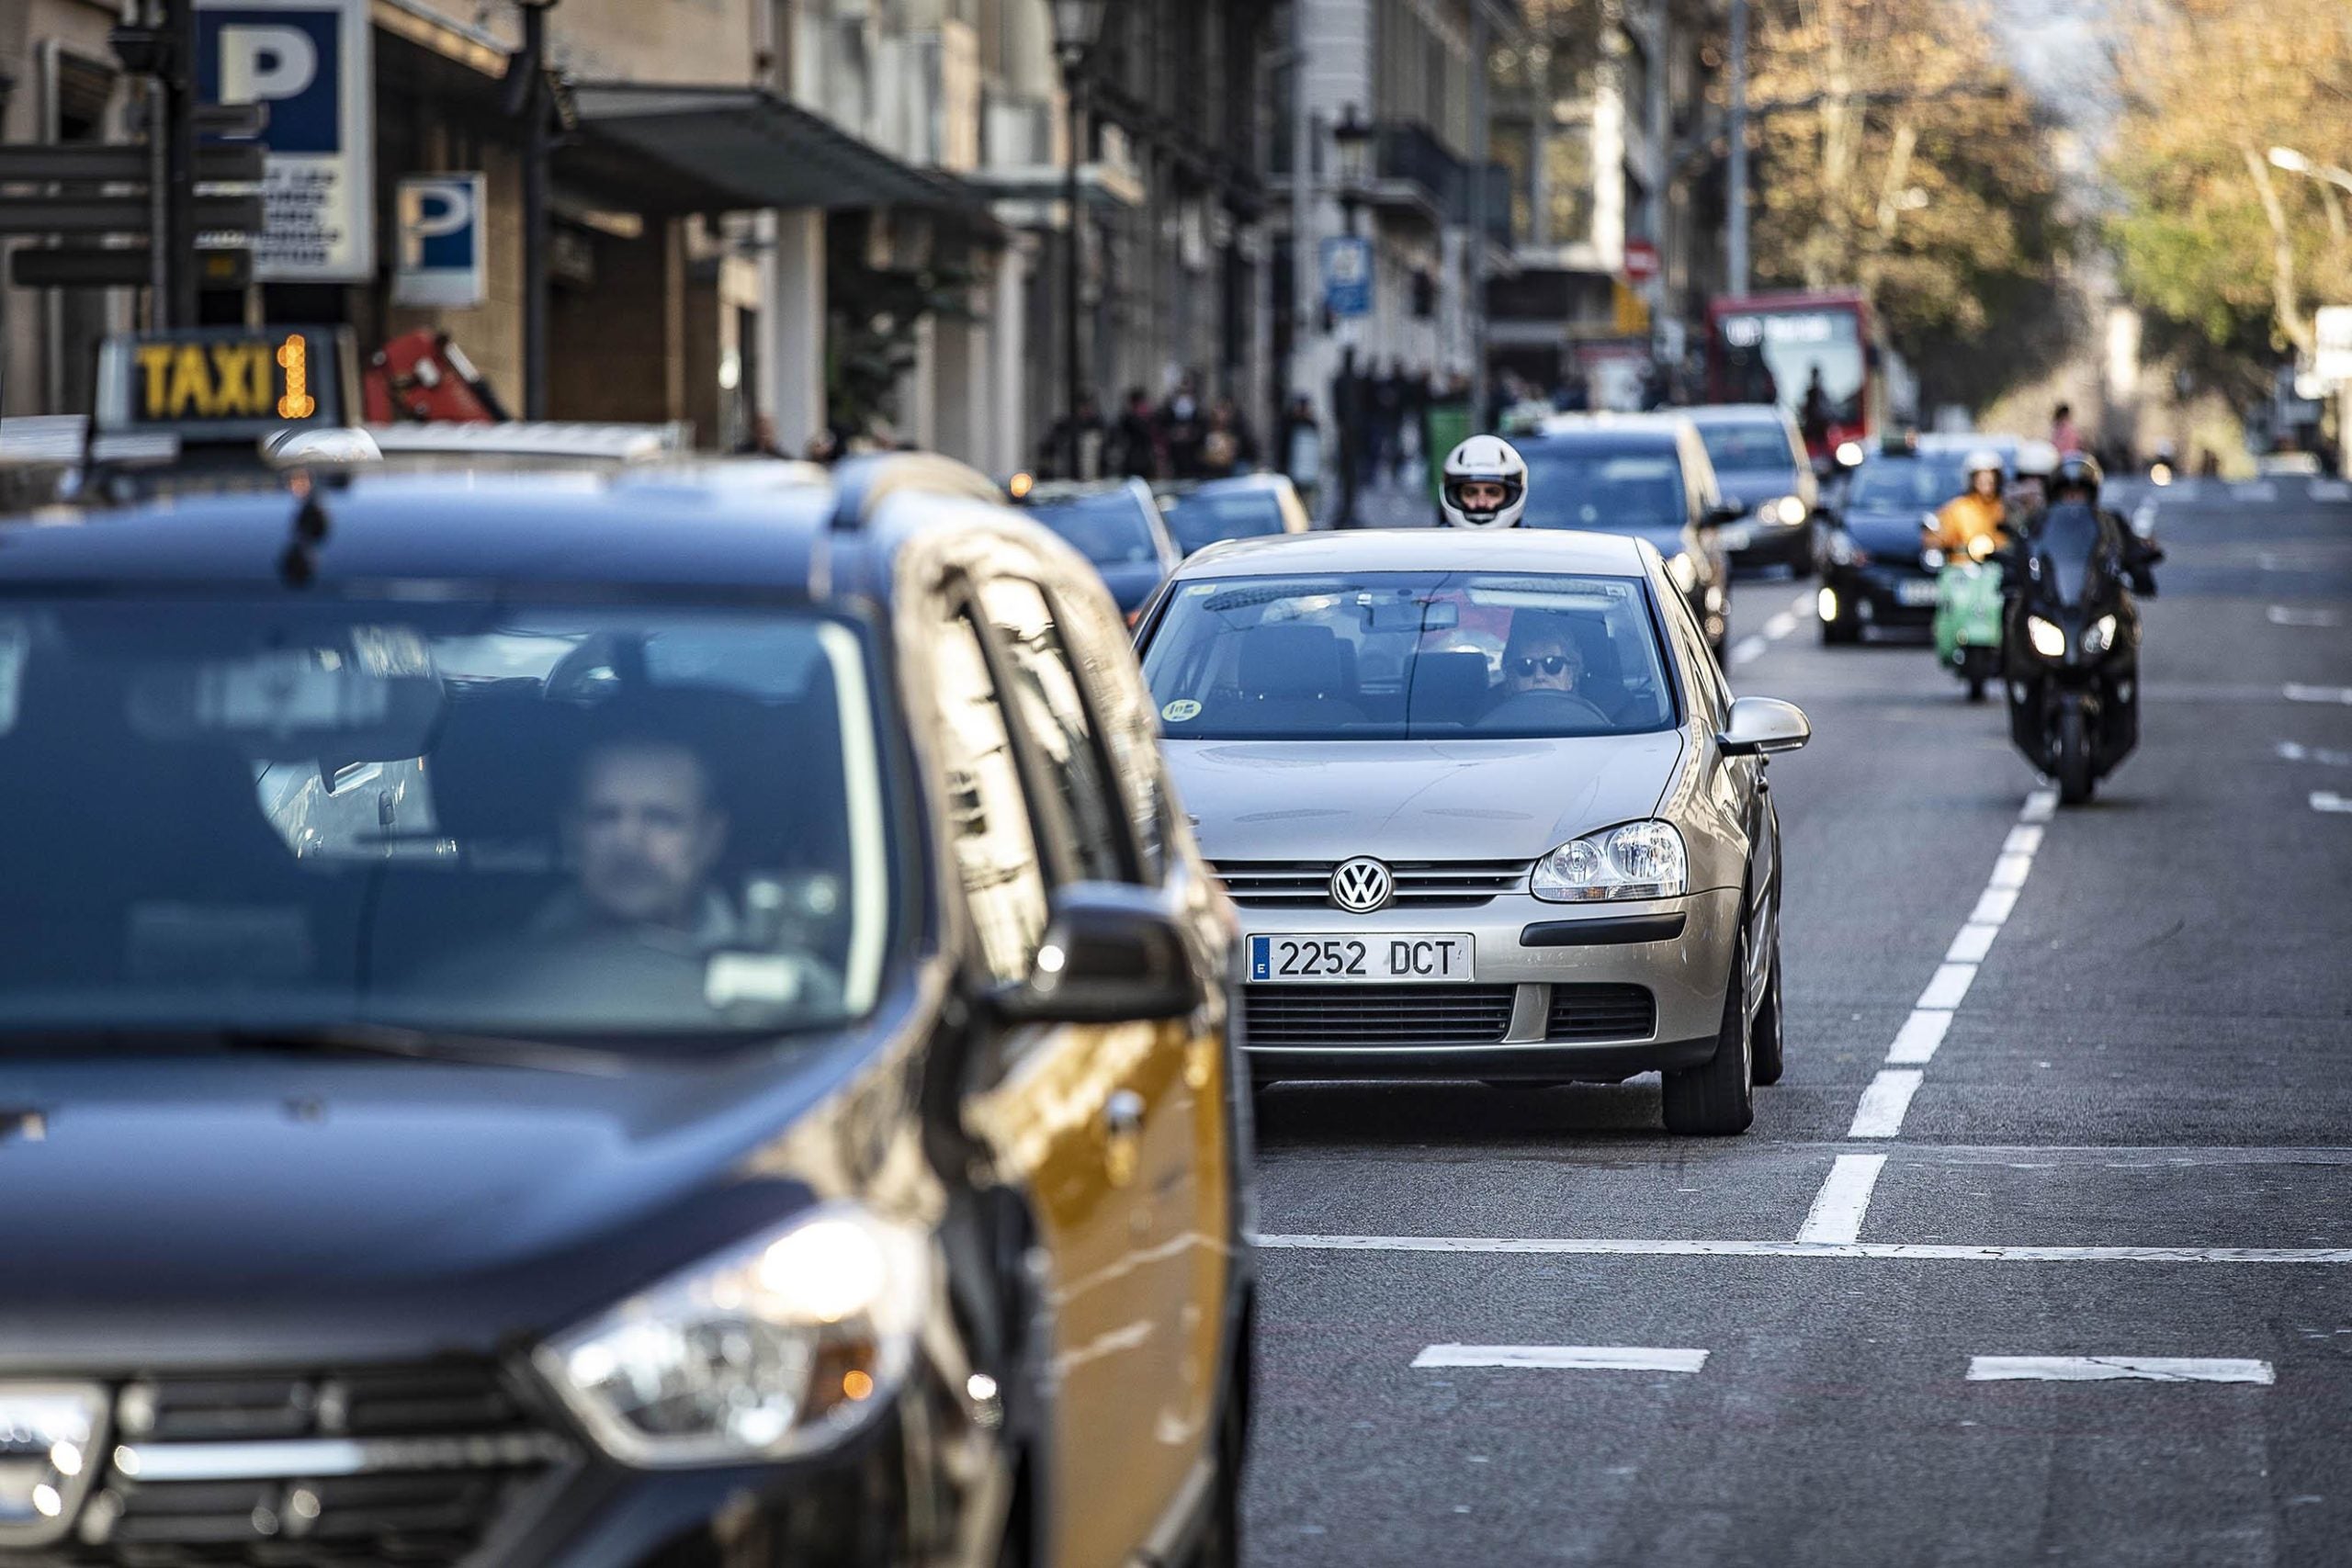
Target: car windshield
x=1761 y=444
x=1904 y=484
x=1109 y=530
x=1613 y=489
x=648 y=825
x=1381 y=656
x=1201 y=520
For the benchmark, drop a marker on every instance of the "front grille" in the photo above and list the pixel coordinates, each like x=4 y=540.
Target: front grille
x=1601 y=1012
x=1376 y=1015
x=1426 y=885
x=385 y=1466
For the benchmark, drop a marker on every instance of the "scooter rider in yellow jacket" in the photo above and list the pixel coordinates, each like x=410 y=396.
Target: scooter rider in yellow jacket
x=1972 y=525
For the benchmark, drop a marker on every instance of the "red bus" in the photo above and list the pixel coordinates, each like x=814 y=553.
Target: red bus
x=1772 y=348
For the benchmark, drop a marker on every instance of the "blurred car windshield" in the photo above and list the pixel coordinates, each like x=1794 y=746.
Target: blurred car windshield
x=1607 y=489
x=1904 y=484
x=644 y=825
x=1109 y=530
x=1758 y=444
x=1384 y=656
x=1201 y=520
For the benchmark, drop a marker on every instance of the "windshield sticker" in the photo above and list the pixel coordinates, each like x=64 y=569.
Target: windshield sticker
x=1181 y=710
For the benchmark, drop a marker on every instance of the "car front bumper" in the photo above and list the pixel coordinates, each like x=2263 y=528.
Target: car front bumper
x=1877 y=595
x=1755 y=546
x=1549 y=984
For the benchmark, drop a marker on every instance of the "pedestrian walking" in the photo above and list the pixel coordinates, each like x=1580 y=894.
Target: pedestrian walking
x=1137 y=443
x=1183 y=425
x=2064 y=434
x=1302 y=448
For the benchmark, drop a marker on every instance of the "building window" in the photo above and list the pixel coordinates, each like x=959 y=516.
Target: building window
x=1506 y=145
x=1567 y=184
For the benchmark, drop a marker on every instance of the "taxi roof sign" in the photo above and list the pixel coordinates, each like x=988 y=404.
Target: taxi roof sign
x=226 y=385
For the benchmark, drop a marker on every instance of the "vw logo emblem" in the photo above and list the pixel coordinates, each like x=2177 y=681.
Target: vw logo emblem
x=1361 y=884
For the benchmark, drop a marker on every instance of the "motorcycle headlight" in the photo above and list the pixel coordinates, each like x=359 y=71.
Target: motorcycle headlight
x=782 y=1345
x=1684 y=570
x=1640 y=860
x=2100 y=635
x=2047 y=639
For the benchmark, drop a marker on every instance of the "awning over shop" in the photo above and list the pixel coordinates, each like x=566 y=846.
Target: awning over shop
x=676 y=149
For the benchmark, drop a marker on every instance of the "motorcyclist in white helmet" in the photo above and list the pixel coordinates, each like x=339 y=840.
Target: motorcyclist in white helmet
x=1484 y=484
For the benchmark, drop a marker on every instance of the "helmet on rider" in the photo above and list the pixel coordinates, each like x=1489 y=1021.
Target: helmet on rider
x=1484 y=484
x=2077 y=478
x=2036 y=460
x=1982 y=461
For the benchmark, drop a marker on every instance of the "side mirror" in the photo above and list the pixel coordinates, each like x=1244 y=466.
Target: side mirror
x=1762 y=726
x=1111 y=954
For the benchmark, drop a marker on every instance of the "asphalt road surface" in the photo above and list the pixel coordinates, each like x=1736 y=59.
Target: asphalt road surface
x=2043 y=1250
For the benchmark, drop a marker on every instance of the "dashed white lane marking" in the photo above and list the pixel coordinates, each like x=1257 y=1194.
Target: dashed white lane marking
x=1995 y=907
x=2022 y=841
x=1879 y=1251
x=1780 y=625
x=2331 y=489
x=2040 y=807
x=2110 y=1369
x=2253 y=490
x=1972 y=944
x=2297 y=616
x=1950 y=987
x=1884 y=1103
x=2296 y=751
x=1845 y=1198
x=2328 y=800
x=2298 y=693
x=1916 y=1041
x=1585 y=1357
x=1749 y=649
x=1752 y=648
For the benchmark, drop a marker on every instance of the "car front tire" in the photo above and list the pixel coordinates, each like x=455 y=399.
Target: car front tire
x=1718 y=1098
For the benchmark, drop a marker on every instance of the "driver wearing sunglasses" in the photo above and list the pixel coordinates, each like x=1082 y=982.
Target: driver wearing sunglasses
x=1539 y=658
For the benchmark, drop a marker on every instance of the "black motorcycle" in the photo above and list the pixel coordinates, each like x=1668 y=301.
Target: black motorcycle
x=2071 y=634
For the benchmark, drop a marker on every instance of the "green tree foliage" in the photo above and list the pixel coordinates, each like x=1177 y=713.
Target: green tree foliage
x=2211 y=235
x=1896 y=151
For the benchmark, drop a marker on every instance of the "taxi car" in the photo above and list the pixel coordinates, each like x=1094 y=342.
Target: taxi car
x=563 y=1023
x=1488 y=808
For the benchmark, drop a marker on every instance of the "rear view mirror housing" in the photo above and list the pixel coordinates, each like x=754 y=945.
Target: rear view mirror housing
x=1763 y=727
x=1111 y=954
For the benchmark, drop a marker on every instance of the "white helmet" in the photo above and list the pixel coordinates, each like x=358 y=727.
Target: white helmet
x=1490 y=459
x=1984 y=460
x=2036 y=460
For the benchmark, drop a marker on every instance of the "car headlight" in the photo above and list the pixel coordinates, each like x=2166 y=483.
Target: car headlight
x=1849 y=454
x=1932 y=559
x=1789 y=510
x=2100 y=635
x=2047 y=639
x=783 y=1345
x=1684 y=570
x=1640 y=860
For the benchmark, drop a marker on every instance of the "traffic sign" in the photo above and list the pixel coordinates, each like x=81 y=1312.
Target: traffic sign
x=441 y=241
x=2332 y=328
x=1347 y=275
x=1641 y=261
x=308 y=64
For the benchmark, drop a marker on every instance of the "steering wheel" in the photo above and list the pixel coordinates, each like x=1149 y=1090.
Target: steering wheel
x=1544 y=706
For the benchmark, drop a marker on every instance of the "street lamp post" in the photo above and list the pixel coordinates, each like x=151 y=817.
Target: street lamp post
x=1352 y=140
x=527 y=95
x=1076 y=26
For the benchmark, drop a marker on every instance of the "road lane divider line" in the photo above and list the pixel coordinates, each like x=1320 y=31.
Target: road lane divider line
x=2111 y=1369
x=1749 y=649
x=1949 y=987
x=2296 y=751
x=2299 y=615
x=2009 y=871
x=1566 y=1357
x=2040 y=807
x=1801 y=607
x=2298 y=693
x=1995 y=907
x=1972 y=944
x=2331 y=489
x=1916 y=1041
x=1876 y=1251
x=2328 y=800
x=1880 y=1113
x=2022 y=840
x=1837 y=1208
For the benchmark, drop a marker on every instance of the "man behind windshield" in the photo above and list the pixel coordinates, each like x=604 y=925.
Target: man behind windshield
x=643 y=833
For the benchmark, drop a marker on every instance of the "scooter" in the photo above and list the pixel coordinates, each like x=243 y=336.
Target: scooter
x=2072 y=650
x=1968 y=613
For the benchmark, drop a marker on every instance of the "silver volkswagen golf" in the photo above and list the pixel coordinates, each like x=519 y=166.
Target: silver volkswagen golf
x=1487 y=808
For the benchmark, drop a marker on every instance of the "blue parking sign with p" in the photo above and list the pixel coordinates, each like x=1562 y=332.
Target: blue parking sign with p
x=441 y=261
x=287 y=60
